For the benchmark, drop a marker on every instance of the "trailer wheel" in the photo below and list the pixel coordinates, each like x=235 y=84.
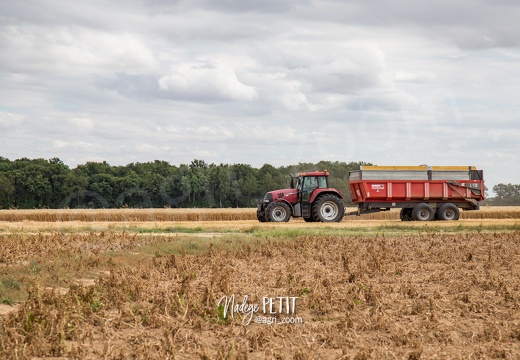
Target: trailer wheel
x=278 y=212
x=423 y=212
x=406 y=214
x=448 y=211
x=328 y=208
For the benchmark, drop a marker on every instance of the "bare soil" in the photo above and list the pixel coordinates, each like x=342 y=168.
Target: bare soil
x=374 y=296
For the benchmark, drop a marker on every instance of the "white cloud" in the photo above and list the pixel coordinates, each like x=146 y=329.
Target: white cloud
x=410 y=76
x=82 y=124
x=69 y=49
x=8 y=119
x=76 y=146
x=206 y=82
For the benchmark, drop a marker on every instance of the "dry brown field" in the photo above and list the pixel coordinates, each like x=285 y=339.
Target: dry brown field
x=148 y=284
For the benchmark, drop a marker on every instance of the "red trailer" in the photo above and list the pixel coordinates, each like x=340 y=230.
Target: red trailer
x=423 y=192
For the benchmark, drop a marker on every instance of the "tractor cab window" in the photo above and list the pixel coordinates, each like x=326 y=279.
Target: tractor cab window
x=322 y=182
x=310 y=183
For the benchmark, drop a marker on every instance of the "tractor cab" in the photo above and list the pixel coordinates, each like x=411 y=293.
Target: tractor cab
x=308 y=185
x=307 y=182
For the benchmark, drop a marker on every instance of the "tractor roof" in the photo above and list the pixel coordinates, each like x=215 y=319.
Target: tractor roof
x=314 y=173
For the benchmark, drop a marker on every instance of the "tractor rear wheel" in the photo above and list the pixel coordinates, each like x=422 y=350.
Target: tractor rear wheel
x=278 y=212
x=328 y=208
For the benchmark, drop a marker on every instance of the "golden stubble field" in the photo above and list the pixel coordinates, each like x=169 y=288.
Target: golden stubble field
x=162 y=215
x=128 y=287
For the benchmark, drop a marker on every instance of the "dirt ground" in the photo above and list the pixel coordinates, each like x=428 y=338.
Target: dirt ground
x=113 y=294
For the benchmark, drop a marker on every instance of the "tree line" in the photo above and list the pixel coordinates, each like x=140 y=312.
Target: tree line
x=507 y=194
x=41 y=183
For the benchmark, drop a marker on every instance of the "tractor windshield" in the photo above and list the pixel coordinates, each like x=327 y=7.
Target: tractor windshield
x=310 y=183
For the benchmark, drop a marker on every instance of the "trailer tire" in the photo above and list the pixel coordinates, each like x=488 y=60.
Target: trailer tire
x=448 y=211
x=406 y=214
x=328 y=208
x=278 y=212
x=423 y=212
x=309 y=219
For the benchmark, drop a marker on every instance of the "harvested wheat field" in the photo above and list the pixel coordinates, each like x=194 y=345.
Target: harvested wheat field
x=132 y=215
x=360 y=289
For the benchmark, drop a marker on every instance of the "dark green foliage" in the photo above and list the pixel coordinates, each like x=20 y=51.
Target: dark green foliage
x=39 y=183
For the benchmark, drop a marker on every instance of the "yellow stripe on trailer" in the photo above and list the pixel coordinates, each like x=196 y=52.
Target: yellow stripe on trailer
x=453 y=168
x=416 y=168
x=394 y=168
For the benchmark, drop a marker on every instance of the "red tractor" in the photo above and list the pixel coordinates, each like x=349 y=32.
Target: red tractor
x=309 y=197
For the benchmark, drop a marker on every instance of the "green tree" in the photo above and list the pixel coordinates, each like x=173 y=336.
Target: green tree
x=198 y=181
x=269 y=178
x=74 y=187
x=129 y=193
x=105 y=185
x=7 y=191
x=175 y=190
x=150 y=183
x=92 y=168
x=244 y=185
x=219 y=184
x=32 y=184
x=56 y=172
x=507 y=194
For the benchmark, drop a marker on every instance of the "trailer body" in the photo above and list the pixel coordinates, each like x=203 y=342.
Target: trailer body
x=422 y=192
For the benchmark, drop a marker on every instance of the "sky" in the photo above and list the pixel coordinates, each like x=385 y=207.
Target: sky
x=248 y=81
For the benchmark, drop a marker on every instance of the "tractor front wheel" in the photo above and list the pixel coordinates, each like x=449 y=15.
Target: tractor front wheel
x=278 y=212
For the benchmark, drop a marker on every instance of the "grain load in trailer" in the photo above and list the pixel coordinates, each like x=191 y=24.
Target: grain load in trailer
x=423 y=193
